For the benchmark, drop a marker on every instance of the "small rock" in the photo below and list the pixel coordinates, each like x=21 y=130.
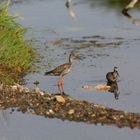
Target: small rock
x=26 y=90
x=60 y=99
x=41 y=93
x=50 y=112
x=71 y=111
x=14 y=88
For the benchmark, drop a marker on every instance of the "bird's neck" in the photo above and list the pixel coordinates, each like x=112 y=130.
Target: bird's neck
x=116 y=72
x=70 y=61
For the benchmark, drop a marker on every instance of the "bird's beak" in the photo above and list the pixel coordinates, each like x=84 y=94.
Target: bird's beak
x=78 y=58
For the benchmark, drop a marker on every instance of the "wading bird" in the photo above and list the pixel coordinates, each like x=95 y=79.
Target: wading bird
x=62 y=70
x=112 y=76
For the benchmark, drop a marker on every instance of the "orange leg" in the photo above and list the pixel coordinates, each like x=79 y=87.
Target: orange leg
x=60 y=85
x=62 y=90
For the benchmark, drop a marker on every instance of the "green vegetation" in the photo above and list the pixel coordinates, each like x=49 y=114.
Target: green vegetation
x=118 y=4
x=15 y=54
x=113 y=4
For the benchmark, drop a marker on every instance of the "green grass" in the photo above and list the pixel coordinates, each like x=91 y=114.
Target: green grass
x=15 y=53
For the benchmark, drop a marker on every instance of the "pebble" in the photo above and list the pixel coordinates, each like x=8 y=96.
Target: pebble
x=60 y=99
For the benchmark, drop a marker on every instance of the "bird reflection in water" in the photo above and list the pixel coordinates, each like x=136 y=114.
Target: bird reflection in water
x=70 y=9
x=127 y=8
x=131 y=18
x=114 y=89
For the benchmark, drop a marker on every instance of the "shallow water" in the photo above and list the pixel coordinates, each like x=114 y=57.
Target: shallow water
x=28 y=127
x=56 y=34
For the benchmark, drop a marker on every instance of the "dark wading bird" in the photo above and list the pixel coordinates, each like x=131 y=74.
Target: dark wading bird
x=112 y=76
x=62 y=70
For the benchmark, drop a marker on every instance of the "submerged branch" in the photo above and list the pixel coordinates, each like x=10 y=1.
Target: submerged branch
x=63 y=107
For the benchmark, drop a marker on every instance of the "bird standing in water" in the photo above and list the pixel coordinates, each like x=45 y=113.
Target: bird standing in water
x=112 y=76
x=62 y=70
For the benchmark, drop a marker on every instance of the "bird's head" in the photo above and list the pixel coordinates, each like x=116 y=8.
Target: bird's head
x=115 y=68
x=72 y=57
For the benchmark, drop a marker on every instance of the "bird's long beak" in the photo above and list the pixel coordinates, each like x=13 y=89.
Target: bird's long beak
x=78 y=57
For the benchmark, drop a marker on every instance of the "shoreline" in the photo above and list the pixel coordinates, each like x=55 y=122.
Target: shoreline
x=37 y=102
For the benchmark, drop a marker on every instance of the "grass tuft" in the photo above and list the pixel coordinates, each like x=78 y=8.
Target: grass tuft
x=15 y=53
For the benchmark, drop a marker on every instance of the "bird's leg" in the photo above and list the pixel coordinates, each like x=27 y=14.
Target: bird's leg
x=60 y=87
x=62 y=92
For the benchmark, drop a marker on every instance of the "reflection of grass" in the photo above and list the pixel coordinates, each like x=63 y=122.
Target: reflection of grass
x=15 y=54
x=115 y=4
x=120 y=4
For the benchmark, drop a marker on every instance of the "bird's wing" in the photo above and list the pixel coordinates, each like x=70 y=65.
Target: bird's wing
x=58 y=70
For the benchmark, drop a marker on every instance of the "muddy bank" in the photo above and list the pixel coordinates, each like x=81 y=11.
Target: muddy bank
x=18 y=98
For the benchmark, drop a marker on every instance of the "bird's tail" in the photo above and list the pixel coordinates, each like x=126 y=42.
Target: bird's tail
x=48 y=73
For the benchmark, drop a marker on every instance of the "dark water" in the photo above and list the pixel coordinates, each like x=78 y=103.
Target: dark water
x=117 y=44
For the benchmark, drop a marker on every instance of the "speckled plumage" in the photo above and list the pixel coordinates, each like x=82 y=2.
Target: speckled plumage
x=62 y=69
x=112 y=76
